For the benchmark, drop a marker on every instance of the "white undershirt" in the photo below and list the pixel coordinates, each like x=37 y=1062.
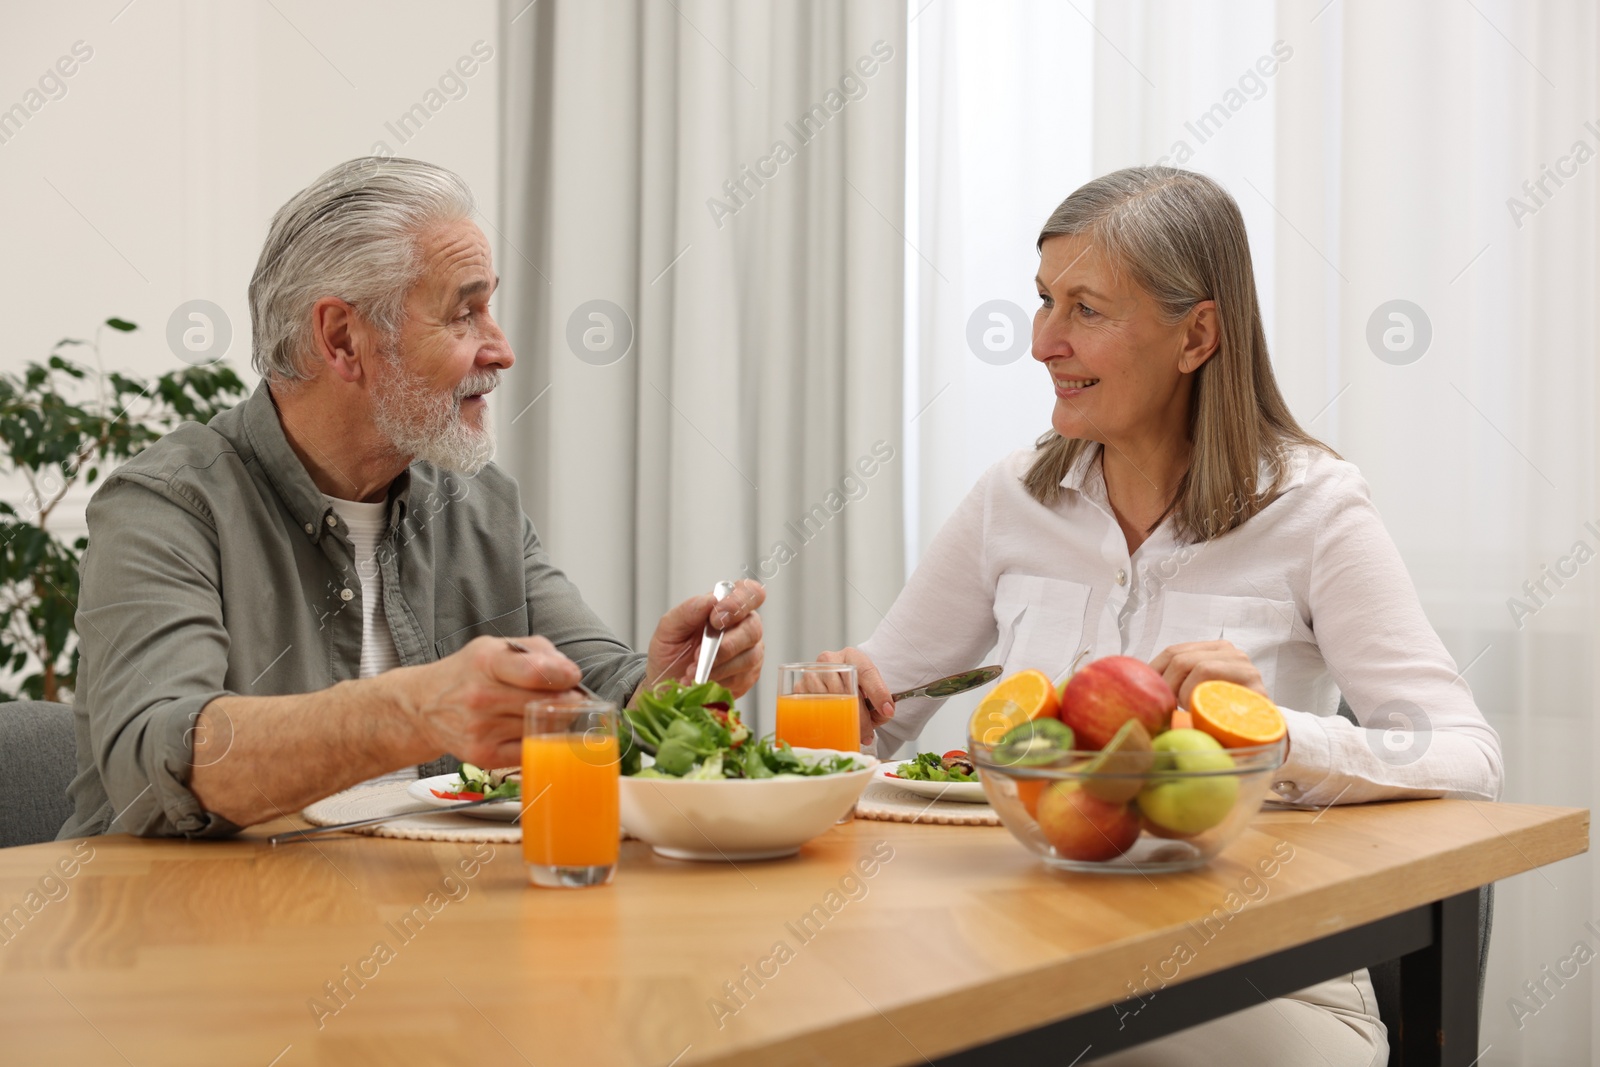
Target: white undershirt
x=365 y=523
x=1311 y=588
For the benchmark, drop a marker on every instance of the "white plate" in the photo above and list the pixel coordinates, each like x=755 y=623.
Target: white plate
x=966 y=792
x=504 y=811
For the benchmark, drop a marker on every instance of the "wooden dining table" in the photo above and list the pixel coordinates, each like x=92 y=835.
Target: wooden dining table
x=881 y=943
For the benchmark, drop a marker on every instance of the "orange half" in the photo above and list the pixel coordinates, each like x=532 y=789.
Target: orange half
x=1237 y=717
x=1023 y=697
x=1029 y=790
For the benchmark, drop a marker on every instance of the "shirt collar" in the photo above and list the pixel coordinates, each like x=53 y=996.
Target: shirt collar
x=1085 y=476
x=1296 y=459
x=306 y=503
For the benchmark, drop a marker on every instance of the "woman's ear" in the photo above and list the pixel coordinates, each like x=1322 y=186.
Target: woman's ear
x=1201 y=336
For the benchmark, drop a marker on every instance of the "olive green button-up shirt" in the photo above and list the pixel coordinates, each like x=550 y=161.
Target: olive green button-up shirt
x=215 y=566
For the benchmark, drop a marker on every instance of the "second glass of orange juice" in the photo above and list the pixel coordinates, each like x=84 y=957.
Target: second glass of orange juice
x=817 y=706
x=570 y=804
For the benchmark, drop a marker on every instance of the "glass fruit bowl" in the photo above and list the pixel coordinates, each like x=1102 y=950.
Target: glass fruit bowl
x=1168 y=804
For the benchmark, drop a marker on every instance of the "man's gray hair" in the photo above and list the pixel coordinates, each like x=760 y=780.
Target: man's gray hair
x=352 y=234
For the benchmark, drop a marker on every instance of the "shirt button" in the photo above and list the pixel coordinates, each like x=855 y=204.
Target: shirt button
x=1285 y=788
x=333 y=520
x=310 y=528
x=1122 y=577
x=346 y=594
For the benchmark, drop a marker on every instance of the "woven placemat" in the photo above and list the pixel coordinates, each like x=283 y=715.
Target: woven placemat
x=365 y=802
x=893 y=804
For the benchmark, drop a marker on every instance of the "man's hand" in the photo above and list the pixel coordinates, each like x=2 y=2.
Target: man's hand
x=470 y=703
x=1187 y=665
x=675 y=646
x=875 y=706
x=258 y=758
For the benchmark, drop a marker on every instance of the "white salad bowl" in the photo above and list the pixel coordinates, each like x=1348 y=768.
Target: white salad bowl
x=741 y=819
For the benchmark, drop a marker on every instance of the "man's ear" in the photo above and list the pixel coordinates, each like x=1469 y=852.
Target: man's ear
x=1201 y=335
x=341 y=339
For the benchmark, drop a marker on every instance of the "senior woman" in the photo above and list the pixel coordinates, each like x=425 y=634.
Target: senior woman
x=1177 y=513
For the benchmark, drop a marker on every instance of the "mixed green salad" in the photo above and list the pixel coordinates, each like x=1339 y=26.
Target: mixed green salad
x=695 y=733
x=475 y=783
x=953 y=766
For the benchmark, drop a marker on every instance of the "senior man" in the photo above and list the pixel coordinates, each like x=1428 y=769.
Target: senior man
x=317 y=588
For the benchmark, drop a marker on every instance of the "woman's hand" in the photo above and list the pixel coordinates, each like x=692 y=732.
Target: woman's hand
x=1187 y=665
x=875 y=706
x=675 y=647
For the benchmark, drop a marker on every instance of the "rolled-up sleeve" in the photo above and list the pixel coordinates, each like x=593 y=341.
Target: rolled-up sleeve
x=154 y=651
x=557 y=612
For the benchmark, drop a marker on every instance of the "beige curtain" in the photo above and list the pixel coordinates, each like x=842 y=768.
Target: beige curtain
x=701 y=258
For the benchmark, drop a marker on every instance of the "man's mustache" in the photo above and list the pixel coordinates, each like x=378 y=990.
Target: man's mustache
x=477 y=384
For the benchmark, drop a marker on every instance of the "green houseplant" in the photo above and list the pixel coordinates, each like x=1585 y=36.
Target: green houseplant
x=62 y=422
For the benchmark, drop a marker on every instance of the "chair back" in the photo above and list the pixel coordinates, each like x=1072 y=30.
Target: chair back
x=38 y=758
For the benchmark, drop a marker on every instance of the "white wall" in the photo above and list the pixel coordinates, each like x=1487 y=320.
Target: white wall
x=150 y=180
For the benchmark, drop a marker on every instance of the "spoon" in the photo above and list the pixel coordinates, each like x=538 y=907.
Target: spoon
x=711 y=639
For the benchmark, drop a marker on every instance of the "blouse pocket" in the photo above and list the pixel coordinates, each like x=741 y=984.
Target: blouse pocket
x=513 y=623
x=1040 y=622
x=1258 y=627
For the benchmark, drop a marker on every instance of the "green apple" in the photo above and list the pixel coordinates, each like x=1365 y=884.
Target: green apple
x=1183 y=804
x=1190 y=750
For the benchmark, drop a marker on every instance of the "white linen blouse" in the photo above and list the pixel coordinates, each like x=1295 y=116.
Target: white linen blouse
x=1311 y=588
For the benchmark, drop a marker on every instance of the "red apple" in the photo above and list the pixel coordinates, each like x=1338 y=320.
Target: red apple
x=1109 y=692
x=1083 y=827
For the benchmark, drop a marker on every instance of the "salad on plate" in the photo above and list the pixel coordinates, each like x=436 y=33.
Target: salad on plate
x=951 y=776
x=953 y=766
x=475 y=783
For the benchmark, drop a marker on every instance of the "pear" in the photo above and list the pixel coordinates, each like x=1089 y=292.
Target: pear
x=1117 y=774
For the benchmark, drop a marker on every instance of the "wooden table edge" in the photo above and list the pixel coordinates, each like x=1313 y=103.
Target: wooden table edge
x=1004 y=998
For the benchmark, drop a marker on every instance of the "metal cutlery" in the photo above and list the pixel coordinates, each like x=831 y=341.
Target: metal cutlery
x=585 y=690
x=951 y=684
x=289 y=837
x=710 y=639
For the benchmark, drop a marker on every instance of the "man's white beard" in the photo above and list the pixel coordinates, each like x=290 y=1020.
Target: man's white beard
x=426 y=424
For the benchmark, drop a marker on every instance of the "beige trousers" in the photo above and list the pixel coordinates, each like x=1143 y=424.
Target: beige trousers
x=1332 y=1024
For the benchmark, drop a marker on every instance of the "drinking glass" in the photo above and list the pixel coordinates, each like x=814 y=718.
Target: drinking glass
x=570 y=758
x=817 y=706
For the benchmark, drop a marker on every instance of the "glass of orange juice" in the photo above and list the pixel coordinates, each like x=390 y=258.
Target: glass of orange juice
x=570 y=758
x=817 y=706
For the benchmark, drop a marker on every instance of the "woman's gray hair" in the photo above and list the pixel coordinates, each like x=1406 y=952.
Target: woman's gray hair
x=1181 y=239
x=352 y=234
